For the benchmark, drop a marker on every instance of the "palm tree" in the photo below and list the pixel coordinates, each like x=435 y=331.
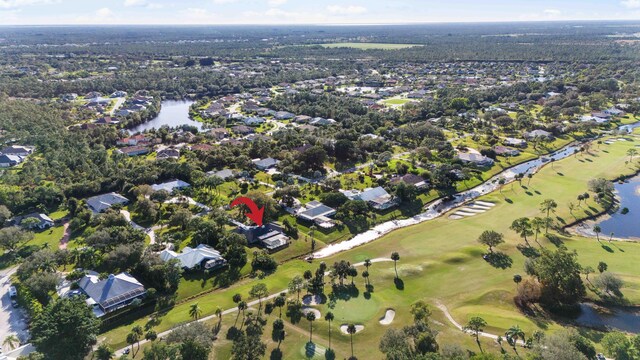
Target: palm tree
x=280 y=301
x=242 y=306
x=329 y=317
x=132 y=338
x=311 y=317
x=529 y=176
x=395 y=257
x=195 y=311
x=11 y=342
x=523 y=227
x=632 y=153
x=367 y=264
x=365 y=275
x=537 y=223
x=513 y=334
x=611 y=236
x=476 y=325
x=597 y=230
x=104 y=352
x=548 y=206
x=351 y=329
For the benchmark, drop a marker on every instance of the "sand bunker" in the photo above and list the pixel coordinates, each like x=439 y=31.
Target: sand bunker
x=389 y=315
x=306 y=310
x=343 y=328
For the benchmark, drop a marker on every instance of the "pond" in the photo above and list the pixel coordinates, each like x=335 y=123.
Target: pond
x=625 y=226
x=173 y=113
x=625 y=319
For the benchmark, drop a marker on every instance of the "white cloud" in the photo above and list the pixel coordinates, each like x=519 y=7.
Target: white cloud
x=104 y=12
x=197 y=15
x=281 y=13
x=552 y=12
x=12 y=4
x=276 y=2
x=631 y=4
x=128 y=3
x=346 y=10
x=222 y=2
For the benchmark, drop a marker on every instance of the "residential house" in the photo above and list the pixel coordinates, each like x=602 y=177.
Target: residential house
x=538 y=134
x=134 y=150
x=18 y=150
x=10 y=160
x=44 y=221
x=269 y=236
x=100 y=203
x=318 y=121
x=475 y=158
x=411 y=179
x=168 y=154
x=515 y=142
x=505 y=151
x=201 y=147
x=253 y=121
x=284 y=115
x=302 y=119
x=265 y=164
x=201 y=257
x=218 y=133
x=242 y=130
x=378 y=198
x=318 y=213
x=614 y=112
x=170 y=186
x=224 y=174
x=119 y=93
x=112 y=293
x=132 y=140
x=107 y=120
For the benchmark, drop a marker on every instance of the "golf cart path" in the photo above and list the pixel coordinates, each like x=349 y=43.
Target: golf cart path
x=234 y=309
x=446 y=312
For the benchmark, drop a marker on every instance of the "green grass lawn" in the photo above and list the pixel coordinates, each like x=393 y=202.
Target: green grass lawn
x=369 y=46
x=396 y=101
x=441 y=262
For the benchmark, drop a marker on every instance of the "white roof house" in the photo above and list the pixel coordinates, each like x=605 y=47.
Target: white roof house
x=169 y=186
x=100 y=203
x=202 y=256
x=377 y=197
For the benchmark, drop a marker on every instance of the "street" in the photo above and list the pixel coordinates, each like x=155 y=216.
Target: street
x=12 y=320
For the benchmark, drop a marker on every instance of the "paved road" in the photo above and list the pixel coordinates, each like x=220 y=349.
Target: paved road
x=117 y=105
x=12 y=320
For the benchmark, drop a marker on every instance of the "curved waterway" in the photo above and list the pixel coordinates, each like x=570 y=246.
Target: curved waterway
x=441 y=206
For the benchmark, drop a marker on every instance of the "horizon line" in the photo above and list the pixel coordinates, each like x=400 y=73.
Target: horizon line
x=334 y=24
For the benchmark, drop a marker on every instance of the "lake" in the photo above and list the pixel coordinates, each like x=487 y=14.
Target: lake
x=625 y=226
x=173 y=113
x=625 y=319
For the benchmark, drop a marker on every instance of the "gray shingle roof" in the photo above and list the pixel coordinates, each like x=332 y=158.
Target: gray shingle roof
x=111 y=291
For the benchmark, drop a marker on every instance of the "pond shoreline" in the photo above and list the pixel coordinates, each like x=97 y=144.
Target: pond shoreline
x=584 y=226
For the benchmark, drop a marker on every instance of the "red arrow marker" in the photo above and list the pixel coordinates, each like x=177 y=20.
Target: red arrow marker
x=255 y=213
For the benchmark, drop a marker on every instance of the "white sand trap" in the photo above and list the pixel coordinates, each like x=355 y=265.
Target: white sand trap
x=465 y=213
x=312 y=299
x=456 y=217
x=477 y=211
x=484 y=203
x=389 y=315
x=306 y=310
x=481 y=207
x=343 y=328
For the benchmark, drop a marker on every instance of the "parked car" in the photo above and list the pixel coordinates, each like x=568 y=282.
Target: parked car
x=600 y=357
x=14 y=303
x=13 y=292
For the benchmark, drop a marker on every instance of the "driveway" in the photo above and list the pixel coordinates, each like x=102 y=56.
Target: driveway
x=12 y=320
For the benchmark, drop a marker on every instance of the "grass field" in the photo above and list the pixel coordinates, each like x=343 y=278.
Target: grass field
x=396 y=101
x=441 y=262
x=369 y=46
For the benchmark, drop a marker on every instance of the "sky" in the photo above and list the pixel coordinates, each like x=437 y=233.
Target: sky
x=219 y=12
